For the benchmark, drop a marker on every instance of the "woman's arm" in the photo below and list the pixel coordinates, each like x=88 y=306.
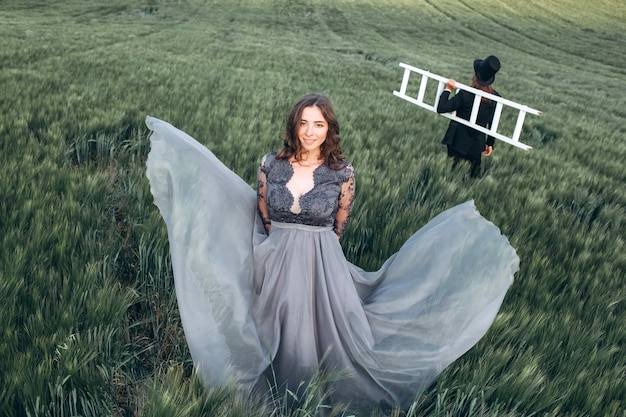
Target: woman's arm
x=346 y=198
x=447 y=104
x=261 y=197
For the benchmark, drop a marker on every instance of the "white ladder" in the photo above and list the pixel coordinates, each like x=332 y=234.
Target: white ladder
x=500 y=102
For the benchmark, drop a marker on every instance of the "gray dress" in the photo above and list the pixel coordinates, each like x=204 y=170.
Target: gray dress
x=285 y=304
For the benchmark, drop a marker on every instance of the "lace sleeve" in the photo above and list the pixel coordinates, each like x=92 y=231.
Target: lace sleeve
x=261 y=195
x=345 y=201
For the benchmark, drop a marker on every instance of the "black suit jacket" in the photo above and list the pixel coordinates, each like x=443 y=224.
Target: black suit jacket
x=464 y=139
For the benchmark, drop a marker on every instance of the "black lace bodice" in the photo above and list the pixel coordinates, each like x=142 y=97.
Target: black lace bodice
x=328 y=203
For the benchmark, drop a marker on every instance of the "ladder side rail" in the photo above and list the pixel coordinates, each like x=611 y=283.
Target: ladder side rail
x=423 y=72
x=489 y=132
x=415 y=101
x=498 y=99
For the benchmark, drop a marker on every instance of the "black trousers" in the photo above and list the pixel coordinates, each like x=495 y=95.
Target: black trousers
x=474 y=160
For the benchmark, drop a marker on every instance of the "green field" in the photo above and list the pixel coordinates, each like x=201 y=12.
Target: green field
x=88 y=317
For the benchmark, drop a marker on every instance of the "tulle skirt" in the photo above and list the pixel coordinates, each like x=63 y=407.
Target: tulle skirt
x=285 y=305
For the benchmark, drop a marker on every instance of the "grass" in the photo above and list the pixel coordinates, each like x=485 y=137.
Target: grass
x=89 y=320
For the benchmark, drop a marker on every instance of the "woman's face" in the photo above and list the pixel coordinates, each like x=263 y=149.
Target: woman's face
x=312 y=129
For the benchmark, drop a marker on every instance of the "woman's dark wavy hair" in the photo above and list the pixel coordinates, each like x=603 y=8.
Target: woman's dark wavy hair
x=330 y=150
x=486 y=88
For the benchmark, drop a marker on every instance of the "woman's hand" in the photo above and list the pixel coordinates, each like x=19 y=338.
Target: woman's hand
x=488 y=150
x=450 y=85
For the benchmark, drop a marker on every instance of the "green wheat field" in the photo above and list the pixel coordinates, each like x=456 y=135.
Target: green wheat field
x=89 y=324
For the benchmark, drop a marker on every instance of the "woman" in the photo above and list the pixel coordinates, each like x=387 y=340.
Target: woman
x=305 y=194
x=267 y=296
x=462 y=141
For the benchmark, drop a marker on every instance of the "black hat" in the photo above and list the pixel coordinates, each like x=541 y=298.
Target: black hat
x=486 y=69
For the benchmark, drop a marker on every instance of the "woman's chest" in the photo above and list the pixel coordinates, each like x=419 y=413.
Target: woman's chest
x=320 y=200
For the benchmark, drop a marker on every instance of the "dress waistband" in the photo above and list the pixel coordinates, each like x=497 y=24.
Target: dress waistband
x=298 y=226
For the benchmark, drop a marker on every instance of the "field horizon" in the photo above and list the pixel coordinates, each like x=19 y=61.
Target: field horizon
x=89 y=321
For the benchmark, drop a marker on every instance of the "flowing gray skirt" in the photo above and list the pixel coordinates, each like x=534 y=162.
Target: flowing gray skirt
x=292 y=303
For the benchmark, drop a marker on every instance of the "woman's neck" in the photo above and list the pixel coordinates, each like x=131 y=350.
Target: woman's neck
x=309 y=158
